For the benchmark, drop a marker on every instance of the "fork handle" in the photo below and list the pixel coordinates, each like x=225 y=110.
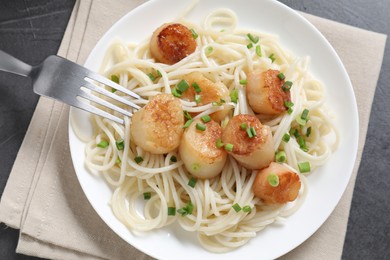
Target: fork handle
x=11 y=64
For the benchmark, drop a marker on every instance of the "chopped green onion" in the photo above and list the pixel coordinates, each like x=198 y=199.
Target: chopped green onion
x=192 y=182
x=219 y=143
x=159 y=73
x=171 y=211
x=302 y=143
x=222 y=100
x=236 y=207
x=280 y=156
x=147 y=195
x=305 y=114
x=308 y=132
x=288 y=104
x=300 y=121
x=197 y=98
x=286 y=138
x=200 y=127
x=188 y=123
x=294 y=132
x=196 y=87
x=195 y=166
x=151 y=76
x=102 y=144
x=173 y=158
x=118 y=160
x=229 y=147
x=243 y=126
x=258 y=50
x=273 y=180
x=250 y=46
x=287 y=86
x=206 y=118
x=209 y=50
x=281 y=76
x=304 y=167
x=176 y=92
x=186 y=210
x=272 y=57
x=138 y=159
x=253 y=38
x=247 y=209
x=187 y=115
x=243 y=82
x=194 y=34
x=120 y=144
x=234 y=95
x=115 y=78
x=289 y=111
x=216 y=103
x=249 y=132
x=253 y=131
x=182 y=86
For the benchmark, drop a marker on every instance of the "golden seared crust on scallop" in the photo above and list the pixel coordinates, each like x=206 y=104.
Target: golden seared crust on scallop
x=158 y=126
x=172 y=42
x=210 y=92
x=199 y=152
x=286 y=191
x=265 y=93
x=252 y=153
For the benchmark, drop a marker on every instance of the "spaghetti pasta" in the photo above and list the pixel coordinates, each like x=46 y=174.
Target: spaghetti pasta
x=225 y=55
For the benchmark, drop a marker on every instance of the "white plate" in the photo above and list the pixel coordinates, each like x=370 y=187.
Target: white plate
x=327 y=184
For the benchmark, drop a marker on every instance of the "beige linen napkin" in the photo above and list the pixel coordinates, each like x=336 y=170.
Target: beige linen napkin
x=44 y=199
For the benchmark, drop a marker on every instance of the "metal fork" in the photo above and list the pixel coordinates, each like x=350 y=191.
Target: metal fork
x=70 y=83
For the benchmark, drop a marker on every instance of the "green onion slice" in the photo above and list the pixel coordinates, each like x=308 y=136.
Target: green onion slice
x=281 y=156
x=171 y=211
x=250 y=46
x=115 y=78
x=188 y=123
x=120 y=144
x=234 y=95
x=305 y=114
x=236 y=207
x=151 y=76
x=194 y=34
x=258 y=50
x=249 y=132
x=182 y=86
x=253 y=38
x=192 y=182
x=187 y=115
x=308 y=132
x=102 y=144
x=287 y=86
x=219 y=143
x=229 y=147
x=243 y=126
x=286 y=138
x=176 y=92
x=247 y=209
x=272 y=57
x=206 y=118
x=196 y=87
x=273 y=180
x=186 y=210
x=118 y=160
x=138 y=159
x=147 y=195
x=281 y=76
x=159 y=73
x=243 y=82
x=200 y=127
x=209 y=50
x=197 y=98
x=304 y=167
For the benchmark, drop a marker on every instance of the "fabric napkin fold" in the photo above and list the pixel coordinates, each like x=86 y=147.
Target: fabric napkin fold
x=44 y=199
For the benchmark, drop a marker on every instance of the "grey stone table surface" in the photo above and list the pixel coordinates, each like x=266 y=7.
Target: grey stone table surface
x=33 y=29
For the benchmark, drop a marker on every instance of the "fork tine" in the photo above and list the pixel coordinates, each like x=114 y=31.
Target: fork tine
x=109 y=94
x=91 y=109
x=110 y=83
x=103 y=102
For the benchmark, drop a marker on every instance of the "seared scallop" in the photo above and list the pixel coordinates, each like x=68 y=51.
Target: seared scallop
x=265 y=93
x=158 y=126
x=209 y=92
x=248 y=141
x=276 y=184
x=198 y=149
x=171 y=43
